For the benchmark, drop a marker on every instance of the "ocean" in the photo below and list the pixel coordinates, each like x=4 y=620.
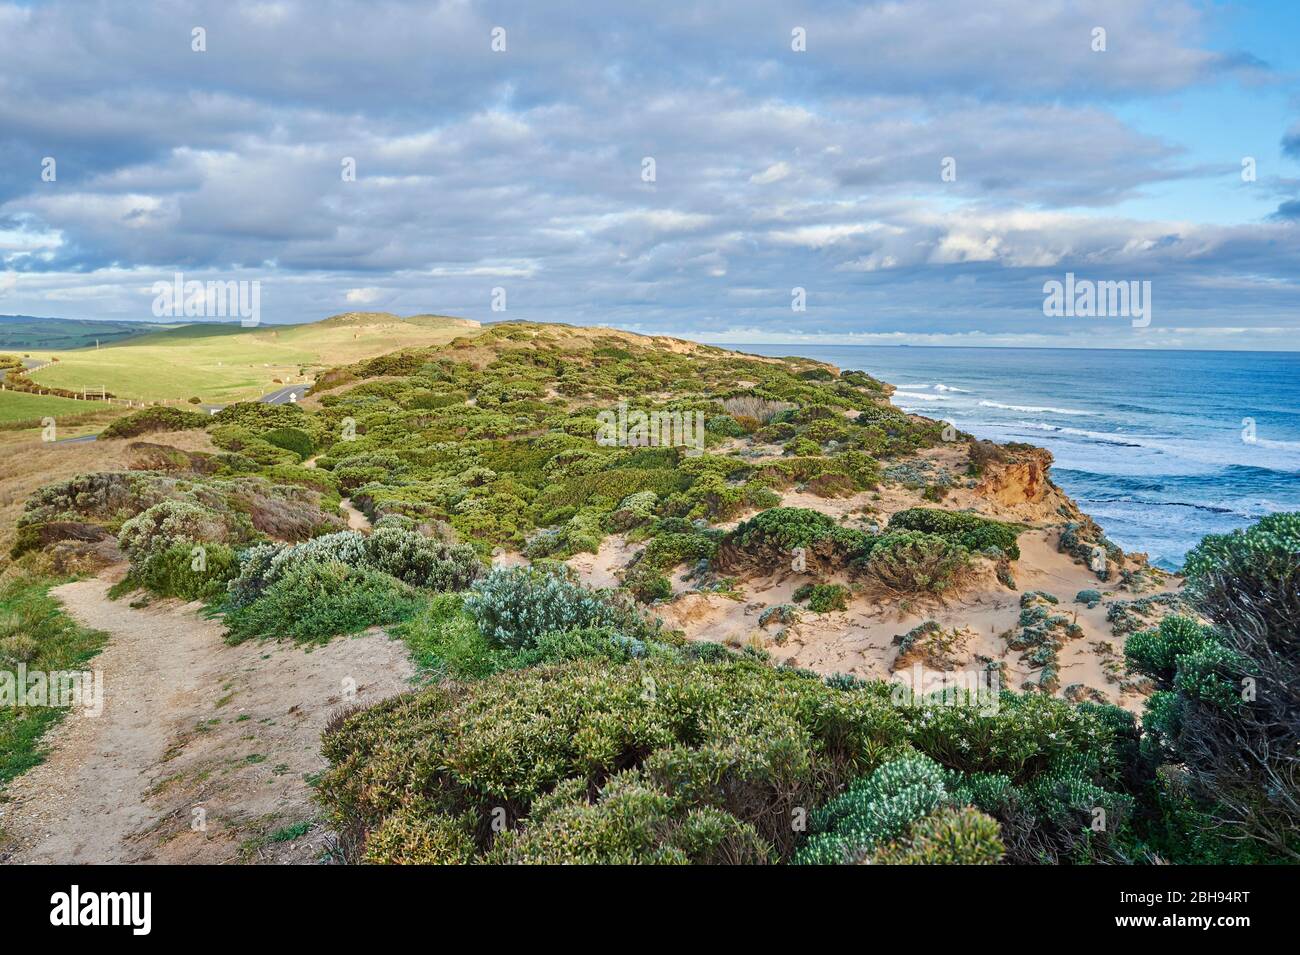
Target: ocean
x=1160 y=447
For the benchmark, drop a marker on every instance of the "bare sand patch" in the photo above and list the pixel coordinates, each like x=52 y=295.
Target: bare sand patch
x=860 y=640
x=601 y=568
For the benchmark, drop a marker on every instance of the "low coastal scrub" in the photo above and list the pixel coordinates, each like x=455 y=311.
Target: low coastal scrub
x=156 y=418
x=716 y=756
x=226 y=509
x=167 y=524
x=975 y=533
x=898 y=562
x=356 y=581
x=591 y=760
x=515 y=606
x=823 y=598
x=901 y=563
x=316 y=600
x=1040 y=634
x=499 y=439
x=635 y=754
x=774 y=539
x=875 y=809
x=190 y=572
x=1084 y=541
x=1220 y=750
x=460 y=635
x=558 y=723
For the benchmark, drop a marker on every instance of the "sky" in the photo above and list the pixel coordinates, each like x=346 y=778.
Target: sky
x=896 y=172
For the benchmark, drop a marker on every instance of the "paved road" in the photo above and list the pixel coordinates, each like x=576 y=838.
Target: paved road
x=29 y=364
x=285 y=396
x=289 y=394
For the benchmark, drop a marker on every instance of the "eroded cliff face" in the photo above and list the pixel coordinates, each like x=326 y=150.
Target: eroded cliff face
x=1020 y=484
x=1008 y=482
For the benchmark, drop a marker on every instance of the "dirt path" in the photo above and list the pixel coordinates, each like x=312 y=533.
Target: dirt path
x=202 y=750
x=356 y=520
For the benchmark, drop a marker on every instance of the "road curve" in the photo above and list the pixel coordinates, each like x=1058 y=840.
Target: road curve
x=289 y=394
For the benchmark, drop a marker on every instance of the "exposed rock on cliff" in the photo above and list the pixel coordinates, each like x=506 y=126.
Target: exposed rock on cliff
x=1017 y=479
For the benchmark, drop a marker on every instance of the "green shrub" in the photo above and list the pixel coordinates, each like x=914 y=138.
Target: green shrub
x=634 y=510
x=770 y=539
x=1090 y=598
x=948 y=836
x=738 y=738
x=785 y=528
x=759 y=496
x=613 y=485
x=1084 y=541
x=315 y=478
x=1155 y=653
x=874 y=810
x=647 y=584
x=1266 y=548
x=1064 y=813
x=666 y=550
x=1251 y=579
x=515 y=606
x=167 y=524
x=253 y=576
x=785 y=614
x=823 y=598
x=710 y=498
x=260 y=418
x=155 y=418
x=412 y=837
x=292 y=439
x=1229 y=691
x=631 y=822
x=913 y=562
x=600 y=643
x=725 y=426
x=316 y=600
x=1214 y=675
x=971 y=531
x=581 y=533
x=392 y=550
x=421 y=561
x=357 y=470
x=444 y=639
x=188 y=571
x=1019 y=737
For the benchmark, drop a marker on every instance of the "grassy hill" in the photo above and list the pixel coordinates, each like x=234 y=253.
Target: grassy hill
x=16 y=406
x=25 y=332
x=223 y=363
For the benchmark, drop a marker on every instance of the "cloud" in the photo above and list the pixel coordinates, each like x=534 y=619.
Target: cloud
x=523 y=169
x=773 y=173
x=1289 y=210
x=1291 y=141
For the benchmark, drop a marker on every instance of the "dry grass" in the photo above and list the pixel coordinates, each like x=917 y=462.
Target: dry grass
x=27 y=463
x=760 y=409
